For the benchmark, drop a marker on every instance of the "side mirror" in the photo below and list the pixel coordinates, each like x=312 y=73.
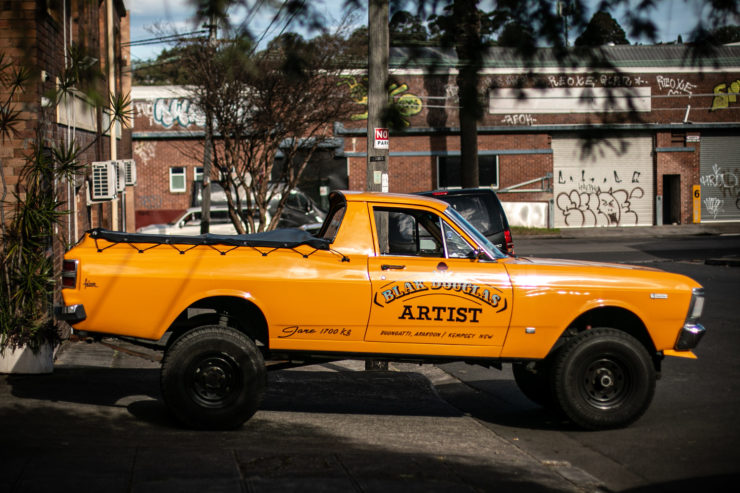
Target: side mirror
x=479 y=254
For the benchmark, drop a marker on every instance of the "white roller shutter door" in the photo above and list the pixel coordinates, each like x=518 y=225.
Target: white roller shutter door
x=609 y=184
x=720 y=178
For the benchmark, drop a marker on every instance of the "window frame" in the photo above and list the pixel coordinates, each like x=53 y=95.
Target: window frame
x=441 y=220
x=444 y=159
x=178 y=174
x=198 y=174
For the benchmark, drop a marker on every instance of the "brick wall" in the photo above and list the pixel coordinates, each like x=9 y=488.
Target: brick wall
x=154 y=202
x=678 y=162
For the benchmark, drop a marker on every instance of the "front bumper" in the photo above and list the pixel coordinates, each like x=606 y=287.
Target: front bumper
x=689 y=336
x=71 y=314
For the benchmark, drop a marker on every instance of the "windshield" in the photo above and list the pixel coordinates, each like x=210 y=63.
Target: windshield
x=477 y=236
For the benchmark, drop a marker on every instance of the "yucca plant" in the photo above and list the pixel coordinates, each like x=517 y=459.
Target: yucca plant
x=27 y=277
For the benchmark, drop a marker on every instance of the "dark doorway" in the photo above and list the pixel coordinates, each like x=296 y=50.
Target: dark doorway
x=671 y=199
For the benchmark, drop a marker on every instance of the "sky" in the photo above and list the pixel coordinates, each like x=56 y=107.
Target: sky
x=672 y=17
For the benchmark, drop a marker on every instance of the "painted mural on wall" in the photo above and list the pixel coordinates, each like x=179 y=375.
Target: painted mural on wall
x=599 y=199
x=611 y=187
x=409 y=104
x=170 y=112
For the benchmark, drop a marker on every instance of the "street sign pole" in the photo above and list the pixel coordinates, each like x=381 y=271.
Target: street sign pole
x=377 y=97
x=377 y=100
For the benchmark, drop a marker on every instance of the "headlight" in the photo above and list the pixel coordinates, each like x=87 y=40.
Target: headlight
x=697 y=305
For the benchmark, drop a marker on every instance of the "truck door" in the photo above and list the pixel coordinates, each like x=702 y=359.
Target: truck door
x=429 y=288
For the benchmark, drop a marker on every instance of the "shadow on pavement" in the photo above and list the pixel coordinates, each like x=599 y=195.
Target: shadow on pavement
x=501 y=402
x=100 y=429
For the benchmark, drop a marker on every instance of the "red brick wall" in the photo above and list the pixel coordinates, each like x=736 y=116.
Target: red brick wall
x=685 y=164
x=418 y=173
x=154 y=202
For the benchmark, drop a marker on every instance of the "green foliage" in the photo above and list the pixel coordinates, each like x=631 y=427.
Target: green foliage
x=27 y=277
x=725 y=35
x=406 y=29
x=166 y=69
x=602 y=29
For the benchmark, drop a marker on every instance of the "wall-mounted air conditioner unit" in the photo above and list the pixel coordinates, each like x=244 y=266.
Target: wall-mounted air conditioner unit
x=104 y=180
x=120 y=176
x=130 y=165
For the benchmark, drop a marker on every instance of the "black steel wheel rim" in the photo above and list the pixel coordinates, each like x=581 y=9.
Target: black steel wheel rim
x=214 y=380
x=605 y=383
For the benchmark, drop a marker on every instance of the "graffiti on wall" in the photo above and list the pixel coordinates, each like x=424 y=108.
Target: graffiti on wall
x=725 y=183
x=724 y=94
x=675 y=86
x=604 y=80
x=143 y=152
x=589 y=203
x=519 y=119
x=408 y=104
x=170 y=112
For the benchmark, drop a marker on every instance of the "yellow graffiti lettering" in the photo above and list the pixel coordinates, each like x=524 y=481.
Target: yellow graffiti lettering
x=408 y=104
x=723 y=95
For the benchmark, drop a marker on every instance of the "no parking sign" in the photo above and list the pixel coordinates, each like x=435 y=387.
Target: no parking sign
x=381 y=138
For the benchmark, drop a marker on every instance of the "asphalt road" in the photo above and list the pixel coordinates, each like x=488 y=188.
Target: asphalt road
x=631 y=250
x=688 y=440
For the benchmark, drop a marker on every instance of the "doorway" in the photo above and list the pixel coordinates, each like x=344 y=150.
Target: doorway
x=671 y=199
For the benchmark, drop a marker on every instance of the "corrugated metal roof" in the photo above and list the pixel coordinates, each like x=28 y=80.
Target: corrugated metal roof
x=620 y=57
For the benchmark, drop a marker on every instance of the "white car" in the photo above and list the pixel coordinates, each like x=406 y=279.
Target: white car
x=189 y=223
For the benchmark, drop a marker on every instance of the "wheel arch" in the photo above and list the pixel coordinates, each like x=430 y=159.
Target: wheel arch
x=228 y=311
x=615 y=317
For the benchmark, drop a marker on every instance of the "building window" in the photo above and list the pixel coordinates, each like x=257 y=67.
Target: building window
x=198 y=173
x=177 y=179
x=449 y=176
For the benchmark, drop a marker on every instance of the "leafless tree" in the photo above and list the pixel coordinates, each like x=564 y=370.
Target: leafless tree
x=281 y=101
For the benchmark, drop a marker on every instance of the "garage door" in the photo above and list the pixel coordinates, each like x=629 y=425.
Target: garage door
x=720 y=178
x=604 y=182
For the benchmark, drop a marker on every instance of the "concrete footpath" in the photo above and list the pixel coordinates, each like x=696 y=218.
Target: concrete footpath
x=98 y=424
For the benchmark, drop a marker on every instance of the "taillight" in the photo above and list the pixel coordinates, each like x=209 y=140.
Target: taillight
x=69 y=274
x=509 y=242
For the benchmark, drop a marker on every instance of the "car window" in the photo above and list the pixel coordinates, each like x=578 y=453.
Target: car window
x=411 y=232
x=332 y=223
x=457 y=247
x=220 y=217
x=477 y=210
x=191 y=219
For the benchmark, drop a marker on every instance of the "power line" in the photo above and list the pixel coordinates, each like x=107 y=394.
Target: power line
x=164 y=39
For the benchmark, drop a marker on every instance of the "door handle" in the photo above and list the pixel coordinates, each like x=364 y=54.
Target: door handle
x=394 y=267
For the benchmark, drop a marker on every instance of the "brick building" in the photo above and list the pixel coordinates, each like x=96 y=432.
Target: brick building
x=39 y=35
x=650 y=138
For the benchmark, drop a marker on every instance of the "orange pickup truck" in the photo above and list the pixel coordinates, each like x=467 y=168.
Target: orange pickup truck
x=388 y=277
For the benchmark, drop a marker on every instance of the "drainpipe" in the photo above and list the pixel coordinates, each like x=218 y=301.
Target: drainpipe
x=112 y=90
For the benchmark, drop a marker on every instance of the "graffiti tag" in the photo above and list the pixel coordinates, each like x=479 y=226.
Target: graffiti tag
x=675 y=86
x=723 y=179
x=713 y=205
x=520 y=119
x=724 y=95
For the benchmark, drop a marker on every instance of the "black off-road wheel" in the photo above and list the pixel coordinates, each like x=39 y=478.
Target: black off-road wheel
x=213 y=377
x=533 y=379
x=603 y=378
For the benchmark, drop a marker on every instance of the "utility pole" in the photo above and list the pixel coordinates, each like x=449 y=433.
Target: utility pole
x=205 y=213
x=377 y=101
x=377 y=96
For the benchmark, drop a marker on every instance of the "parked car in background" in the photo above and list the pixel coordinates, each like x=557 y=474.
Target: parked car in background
x=189 y=223
x=481 y=208
x=300 y=211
